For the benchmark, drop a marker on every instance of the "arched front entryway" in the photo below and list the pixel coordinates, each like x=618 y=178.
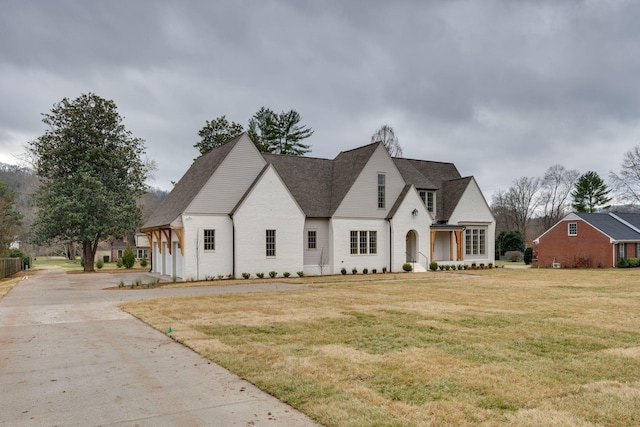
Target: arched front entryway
x=411 y=252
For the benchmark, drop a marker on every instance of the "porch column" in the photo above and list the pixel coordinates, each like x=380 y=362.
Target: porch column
x=459 y=245
x=433 y=243
x=451 y=246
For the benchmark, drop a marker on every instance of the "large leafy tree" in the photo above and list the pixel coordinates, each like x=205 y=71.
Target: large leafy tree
x=590 y=193
x=216 y=133
x=10 y=219
x=627 y=182
x=510 y=240
x=92 y=171
x=387 y=136
x=279 y=133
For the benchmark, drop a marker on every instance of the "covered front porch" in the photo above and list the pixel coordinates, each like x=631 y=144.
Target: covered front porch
x=446 y=243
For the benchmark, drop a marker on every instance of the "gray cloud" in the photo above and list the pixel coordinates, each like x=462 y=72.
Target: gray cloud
x=501 y=88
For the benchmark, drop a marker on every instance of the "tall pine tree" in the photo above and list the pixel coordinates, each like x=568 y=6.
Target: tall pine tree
x=590 y=193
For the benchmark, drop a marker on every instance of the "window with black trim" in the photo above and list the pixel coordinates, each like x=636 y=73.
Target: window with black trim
x=271 y=243
x=381 y=190
x=573 y=229
x=209 y=240
x=311 y=239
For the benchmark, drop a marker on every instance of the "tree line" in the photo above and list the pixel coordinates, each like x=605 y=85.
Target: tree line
x=532 y=205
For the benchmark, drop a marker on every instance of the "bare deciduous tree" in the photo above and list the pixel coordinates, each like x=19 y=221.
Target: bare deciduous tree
x=627 y=183
x=387 y=136
x=518 y=203
x=555 y=200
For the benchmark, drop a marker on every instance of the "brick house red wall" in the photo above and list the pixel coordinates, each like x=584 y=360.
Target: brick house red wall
x=589 y=248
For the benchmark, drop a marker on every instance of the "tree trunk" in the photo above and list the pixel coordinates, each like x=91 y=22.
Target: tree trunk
x=89 y=255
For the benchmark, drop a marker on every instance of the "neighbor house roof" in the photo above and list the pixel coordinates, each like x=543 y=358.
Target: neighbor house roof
x=610 y=225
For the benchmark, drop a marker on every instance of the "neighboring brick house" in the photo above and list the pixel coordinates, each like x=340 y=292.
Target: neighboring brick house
x=138 y=242
x=590 y=240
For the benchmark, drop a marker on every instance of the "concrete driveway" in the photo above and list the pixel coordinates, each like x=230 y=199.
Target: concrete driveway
x=70 y=357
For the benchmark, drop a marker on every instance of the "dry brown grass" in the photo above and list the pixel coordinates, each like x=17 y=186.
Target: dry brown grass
x=7 y=284
x=504 y=347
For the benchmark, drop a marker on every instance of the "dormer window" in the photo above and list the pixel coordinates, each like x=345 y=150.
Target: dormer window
x=428 y=198
x=381 y=191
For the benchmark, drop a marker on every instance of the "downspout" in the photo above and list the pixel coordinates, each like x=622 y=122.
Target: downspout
x=233 y=246
x=390 y=245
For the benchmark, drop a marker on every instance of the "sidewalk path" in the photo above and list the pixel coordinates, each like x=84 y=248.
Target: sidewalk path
x=70 y=357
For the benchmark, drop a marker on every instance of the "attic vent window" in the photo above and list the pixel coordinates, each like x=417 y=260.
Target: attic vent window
x=573 y=229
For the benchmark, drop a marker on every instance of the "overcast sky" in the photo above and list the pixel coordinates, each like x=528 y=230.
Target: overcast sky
x=503 y=89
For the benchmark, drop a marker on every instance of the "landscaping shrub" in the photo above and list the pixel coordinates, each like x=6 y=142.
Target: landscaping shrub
x=407 y=267
x=246 y=275
x=105 y=258
x=99 y=264
x=365 y=270
x=300 y=273
x=433 y=266
x=143 y=262
x=286 y=274
x=119 y=263
x=128 y=257
x=514 y=256
x=384 y=269
x=343 y=271
x=374 y=271
x=633 y=262
x=260 y=275
x=623 y=263
x=272 y=274
x=354 y=270
x=528 y=255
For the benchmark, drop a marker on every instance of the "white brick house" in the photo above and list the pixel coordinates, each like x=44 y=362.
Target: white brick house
x=238 y=210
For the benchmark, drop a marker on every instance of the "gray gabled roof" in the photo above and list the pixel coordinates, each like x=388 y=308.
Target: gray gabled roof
x=441 y=177
x=411 y=175
x=611 y=226
x=346 y=168
x=452 y=193
x=309 y=181
x=189 y=185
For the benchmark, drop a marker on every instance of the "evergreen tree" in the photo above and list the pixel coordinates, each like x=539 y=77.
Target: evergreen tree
x=279 y=133
x=590 y=193
x=92 y=173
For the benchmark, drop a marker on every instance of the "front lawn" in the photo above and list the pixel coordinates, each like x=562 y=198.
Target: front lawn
x=494 y=347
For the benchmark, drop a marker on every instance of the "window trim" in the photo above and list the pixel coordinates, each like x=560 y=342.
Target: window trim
x=475 y=241
x=363 y=242
x=574 y=226
x=209 y=242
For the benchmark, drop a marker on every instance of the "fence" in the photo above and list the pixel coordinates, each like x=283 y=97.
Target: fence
x=9 y=266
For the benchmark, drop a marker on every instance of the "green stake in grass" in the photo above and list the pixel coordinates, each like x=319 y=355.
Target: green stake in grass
x=169 y=331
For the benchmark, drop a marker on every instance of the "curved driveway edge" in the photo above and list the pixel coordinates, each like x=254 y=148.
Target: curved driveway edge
x=70 y=357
